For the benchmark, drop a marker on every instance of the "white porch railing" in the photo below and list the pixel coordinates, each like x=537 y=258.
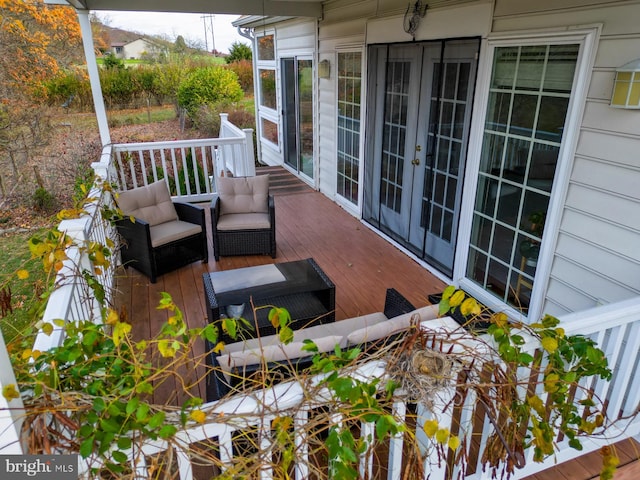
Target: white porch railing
x=191 y=167
x=616 y=328
x=73 y=299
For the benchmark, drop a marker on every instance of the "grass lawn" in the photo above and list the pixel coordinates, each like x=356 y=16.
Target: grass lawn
x=136 y=116
x=15 y=255
x=140 y=116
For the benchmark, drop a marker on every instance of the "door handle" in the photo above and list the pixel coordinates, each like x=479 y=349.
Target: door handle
x=415 y=161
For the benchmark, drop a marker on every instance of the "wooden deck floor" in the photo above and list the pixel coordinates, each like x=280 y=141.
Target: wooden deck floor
x=587 y=467
x=361 y=264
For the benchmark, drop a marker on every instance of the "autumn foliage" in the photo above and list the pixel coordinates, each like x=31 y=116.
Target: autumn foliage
x=36 y=40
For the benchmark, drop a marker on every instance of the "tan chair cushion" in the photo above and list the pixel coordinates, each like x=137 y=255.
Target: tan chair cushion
x=171 y=231
x=380 y=330
x=151 y=203
x=244 y=194
x=244 y=221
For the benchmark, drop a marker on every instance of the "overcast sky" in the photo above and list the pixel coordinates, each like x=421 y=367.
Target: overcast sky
x=190 y=25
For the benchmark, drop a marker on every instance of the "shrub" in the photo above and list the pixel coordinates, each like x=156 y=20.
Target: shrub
x=242 y=118
x=118 y=86
x=202 y=180
x=244 y=70
x=192 y=181
x=84 y=177
x=167 y=78
x=161 y=174
x=208 y=85
x=238 y=51
x=68 y=85
x=43 y=200
x=110 y=61
x=207 y=118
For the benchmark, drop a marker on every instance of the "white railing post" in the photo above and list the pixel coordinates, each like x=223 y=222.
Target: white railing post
x=11 y=411
x=78 y=231
x=249 y=158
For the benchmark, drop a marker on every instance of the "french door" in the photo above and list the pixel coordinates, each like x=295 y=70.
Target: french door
x=420 y=119
x=297 y=112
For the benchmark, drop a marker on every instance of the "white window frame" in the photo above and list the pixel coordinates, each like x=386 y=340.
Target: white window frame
x=263 y=112
x=587 y=38
x=342 y=201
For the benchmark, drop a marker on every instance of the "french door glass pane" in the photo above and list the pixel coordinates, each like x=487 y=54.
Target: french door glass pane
x=528 y=101
x=348 y=151
x=394 y=133
x=448 y=111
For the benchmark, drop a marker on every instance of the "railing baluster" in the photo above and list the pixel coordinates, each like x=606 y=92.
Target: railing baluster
x=143 y=167
x=185 y=169
x=123 y=178
x=205 y=170
x=226 y=447
x=132 y=171
x=396 y=444
x=624 y=370
x=265 y=443
x=165 y=173
x=154 y=167
x=368 y=432
x=301 y=467
x=175 y=171
x=184 y=464
x=194 y=166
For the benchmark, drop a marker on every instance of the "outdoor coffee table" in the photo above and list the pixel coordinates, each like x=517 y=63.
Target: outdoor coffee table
x=301 y=287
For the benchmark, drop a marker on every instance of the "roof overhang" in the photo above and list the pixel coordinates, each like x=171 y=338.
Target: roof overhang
x=293 y=8
x=254 y=21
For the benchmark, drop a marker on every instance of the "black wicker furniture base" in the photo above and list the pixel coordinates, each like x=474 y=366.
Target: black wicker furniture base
x=300 y=286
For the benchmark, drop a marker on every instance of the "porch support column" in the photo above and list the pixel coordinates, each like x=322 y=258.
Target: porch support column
x=94 y=77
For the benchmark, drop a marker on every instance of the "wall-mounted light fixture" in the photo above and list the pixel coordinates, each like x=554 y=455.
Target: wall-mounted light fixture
x=324 y=69
x=626 y=89
x=412 y=17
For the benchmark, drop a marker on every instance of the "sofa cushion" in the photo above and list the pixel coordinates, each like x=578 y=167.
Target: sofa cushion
x=273 y=353
x=151 y=203
x=244 y=194
x=244 y=221
x=380 y=330
x=341 y=329
x=171 y=231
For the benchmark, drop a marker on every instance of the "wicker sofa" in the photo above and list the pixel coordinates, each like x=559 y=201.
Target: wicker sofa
x=238 y=361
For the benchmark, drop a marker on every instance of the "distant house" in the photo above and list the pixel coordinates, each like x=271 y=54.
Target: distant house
x=137 y=49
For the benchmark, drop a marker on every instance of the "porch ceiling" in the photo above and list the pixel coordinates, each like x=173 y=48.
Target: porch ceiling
x=298 y=8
